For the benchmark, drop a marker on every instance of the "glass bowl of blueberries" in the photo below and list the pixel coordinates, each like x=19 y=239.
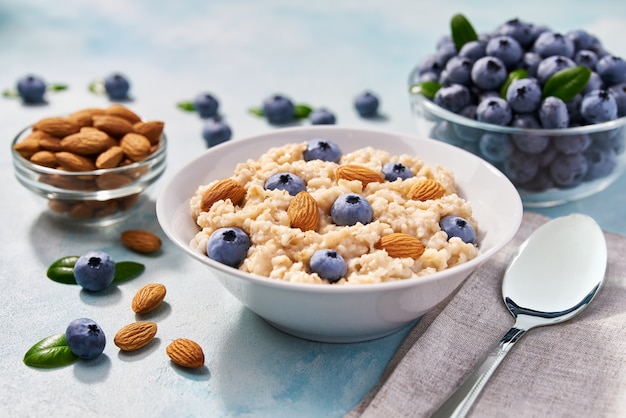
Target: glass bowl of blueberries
x=545 y=108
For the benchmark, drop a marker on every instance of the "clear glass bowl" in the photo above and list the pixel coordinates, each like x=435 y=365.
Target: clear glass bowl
x=548 y=166
x=90 y=198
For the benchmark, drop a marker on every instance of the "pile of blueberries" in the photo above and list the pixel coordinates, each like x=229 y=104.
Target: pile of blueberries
x=229 y=245
x=473 y=83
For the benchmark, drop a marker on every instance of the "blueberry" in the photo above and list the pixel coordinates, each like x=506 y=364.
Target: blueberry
x=530 y=62
x=619 y=93
x=598 y=106
x=612 y=69
x=393 y=171
x=116 y=87
x=488 y=73
x=581 y=39
x=228 y=246
x=506 y=48
x=85 y=338
x=495 y=110
x=551 y=65
x=524 y=95
x=569 y=170
x=571 y=144
x=521 y=167
x=573 y=109
x=350 y=208
x=455 y=226
x=288 y=182
x=587 y=58
x=542 y=181
x=495 y=146
x=527 y=142
x=322 y=117
x=428 y=76
x=453 y=97
x=322 y=149
x=215 y=131
x=518 y=30
x=31 y=89
x=445 y=51
x=464 y=132
x=278 y=110
x=366 y=104
x=430 y=64
x=328 y=264
x=595 y=83
x=94 y=270
x=458 y=71
x=206 y=105
x=550 y=43
x=473 y=50
x=600 y=162
x=553 y=113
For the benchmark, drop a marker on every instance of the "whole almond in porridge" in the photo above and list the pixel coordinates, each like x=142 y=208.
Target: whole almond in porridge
x=389 y=223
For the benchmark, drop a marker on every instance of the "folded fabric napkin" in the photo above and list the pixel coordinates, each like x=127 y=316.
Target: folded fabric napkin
x=573 y=369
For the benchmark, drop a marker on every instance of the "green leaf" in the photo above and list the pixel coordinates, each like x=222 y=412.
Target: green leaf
x=567 y=83
x=97 y=87
x=52 y=351
x=187 y=106
x=513 y=76
x=127 y=270
x=58 y=87
x=62 y=270
x=257 y=111
x=462 y=31
x=302 y=111
x=425 y=88
x=10 y=93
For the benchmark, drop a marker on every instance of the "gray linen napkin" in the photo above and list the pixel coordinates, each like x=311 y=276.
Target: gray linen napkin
x=574 y=369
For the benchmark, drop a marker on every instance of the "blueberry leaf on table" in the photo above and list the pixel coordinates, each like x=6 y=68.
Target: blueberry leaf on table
x=426 y=88
x=52 y=351
x=300 y=111
x=462 y=31
x=57 y=87
x=257 y=111
x=567 y=83
x=513 y=76
x=62 y=270
x=187 y=106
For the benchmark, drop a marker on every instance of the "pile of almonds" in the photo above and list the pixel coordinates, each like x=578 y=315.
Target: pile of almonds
x=92 y=139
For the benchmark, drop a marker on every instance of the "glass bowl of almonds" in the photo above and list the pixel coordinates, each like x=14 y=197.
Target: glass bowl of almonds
x=92 y=165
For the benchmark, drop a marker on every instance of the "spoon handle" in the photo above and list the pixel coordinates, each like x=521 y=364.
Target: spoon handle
x=461 y=400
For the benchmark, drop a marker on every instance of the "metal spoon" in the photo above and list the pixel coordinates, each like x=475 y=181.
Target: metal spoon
x=555 y=274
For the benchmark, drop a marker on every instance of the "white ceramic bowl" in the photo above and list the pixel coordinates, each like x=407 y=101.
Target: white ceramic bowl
x=344 y=313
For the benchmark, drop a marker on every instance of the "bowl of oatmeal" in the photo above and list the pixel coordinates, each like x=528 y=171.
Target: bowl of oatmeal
x=396 y=264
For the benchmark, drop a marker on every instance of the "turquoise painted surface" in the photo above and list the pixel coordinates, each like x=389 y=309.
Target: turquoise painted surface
x=321 y=53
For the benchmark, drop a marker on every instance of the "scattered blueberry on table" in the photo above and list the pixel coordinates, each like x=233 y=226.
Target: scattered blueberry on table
x=31 y=89
x=85 y=338
x=215 y=131
x=366 y=104
x=117 y=87
x=322 y=117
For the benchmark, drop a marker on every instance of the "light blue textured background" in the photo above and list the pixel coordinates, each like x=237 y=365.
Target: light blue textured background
x=321 y=53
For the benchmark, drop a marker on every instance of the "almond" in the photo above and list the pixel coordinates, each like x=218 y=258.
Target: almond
x=303 y=212
x=222 y=190
x=74 y=162
x=151 y=129
x=27 y=147
x=86 y=142
x=401 y=245
x=112 y=125
x=148 y=298
x=141 y=241
x=135 y=146
x=110 y=181
x=186 y=353
x=44 y=158
x=110 y=158
x=84 y=117
x=122 y=112
x=59 y=126
x=426 y=189
x=50 y=143
x=358 y=172
x=135 y=335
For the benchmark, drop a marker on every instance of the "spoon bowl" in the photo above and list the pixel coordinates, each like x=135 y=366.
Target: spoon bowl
x=553 y=277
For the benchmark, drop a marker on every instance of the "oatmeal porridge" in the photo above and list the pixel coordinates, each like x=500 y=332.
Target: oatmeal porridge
x=279 y=250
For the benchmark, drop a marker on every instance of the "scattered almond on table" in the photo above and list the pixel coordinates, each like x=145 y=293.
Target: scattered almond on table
x=135 y=335
x=185 y=353
x=148 y=298
x=141 y=241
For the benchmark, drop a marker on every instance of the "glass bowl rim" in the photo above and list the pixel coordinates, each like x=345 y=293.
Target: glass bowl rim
x=462 y=120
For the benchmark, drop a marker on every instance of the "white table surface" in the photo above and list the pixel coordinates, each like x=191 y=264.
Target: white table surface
x=321 y=53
